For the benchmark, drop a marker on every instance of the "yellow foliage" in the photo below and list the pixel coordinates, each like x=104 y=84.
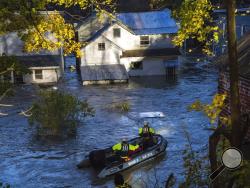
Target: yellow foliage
x=213 y=110
x=52 y=33
x=195 y=22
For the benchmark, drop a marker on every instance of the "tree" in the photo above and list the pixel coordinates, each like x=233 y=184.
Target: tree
x=58 y=114
x=196 y=23
x=42 y=30
x=234 y=74
x=9 y=64
x=198 y=12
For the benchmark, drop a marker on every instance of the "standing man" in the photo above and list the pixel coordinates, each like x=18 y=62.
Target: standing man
x=147 y=133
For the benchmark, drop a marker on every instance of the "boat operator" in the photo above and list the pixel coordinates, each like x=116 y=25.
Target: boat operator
x=147 y=133
x=124 y=149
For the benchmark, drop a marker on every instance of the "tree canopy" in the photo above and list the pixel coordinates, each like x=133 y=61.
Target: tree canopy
x=44 y=30
x=196 y=22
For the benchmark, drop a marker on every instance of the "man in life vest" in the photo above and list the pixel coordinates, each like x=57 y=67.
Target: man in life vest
x=147 y=133
x=124 y=149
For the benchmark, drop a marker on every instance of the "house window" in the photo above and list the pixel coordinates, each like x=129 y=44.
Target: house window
x=38 y=74
x=101 y=46
x=144 y=40
x=136 y=65
x=117 y=32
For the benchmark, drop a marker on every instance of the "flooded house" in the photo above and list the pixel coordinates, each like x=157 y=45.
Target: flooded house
x=243 y=48
x=128 y=44
x=45 y=67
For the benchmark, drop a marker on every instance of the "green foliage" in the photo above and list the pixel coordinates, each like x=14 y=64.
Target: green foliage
x=196 y=23
x=157 y=4
x=123 y=106
x=8 y=64
x=58 y=114
x=196 y=170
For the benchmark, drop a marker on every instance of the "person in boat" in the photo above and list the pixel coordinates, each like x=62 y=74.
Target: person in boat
x=124 y=149
x=119 y=182
x=146 y=132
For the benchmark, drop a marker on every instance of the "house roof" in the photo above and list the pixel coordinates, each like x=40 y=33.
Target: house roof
x=148 y=23
x=138 y=23
x=151 y=52
x=243 y=49
x=104 y=72
x=40 y=60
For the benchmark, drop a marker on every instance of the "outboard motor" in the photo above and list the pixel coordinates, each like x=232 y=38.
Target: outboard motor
x=97 y=158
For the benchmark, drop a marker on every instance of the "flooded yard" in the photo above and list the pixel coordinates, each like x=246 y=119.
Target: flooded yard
x=26 y=162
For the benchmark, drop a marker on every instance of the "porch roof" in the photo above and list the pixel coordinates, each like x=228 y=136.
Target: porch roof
x=104 y=72
x=40 y=60
x=163 y=52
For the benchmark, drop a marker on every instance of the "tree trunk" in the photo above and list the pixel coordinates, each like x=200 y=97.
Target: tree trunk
x=234 y=73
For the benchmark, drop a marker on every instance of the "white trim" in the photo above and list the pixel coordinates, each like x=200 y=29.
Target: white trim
x=44 y=68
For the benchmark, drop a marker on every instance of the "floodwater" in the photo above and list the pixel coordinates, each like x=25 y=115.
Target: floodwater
x=27 y=162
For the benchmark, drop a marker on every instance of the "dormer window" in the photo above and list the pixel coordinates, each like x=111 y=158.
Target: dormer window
x=144 y=41
x=117 y=32
x=101 y=46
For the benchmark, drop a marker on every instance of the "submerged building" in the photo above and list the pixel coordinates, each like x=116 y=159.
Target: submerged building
x=129 y=44
x=45 y=67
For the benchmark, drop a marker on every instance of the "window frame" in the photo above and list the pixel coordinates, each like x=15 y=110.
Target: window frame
x=144 y=42
x=101 y=46
x=38 y=76
x=116 y=31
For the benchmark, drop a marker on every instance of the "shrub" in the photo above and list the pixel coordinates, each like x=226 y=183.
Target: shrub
x=57 y=114
x=123 y=106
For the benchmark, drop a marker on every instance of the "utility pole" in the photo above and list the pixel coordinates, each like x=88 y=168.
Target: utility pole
x=234 y=74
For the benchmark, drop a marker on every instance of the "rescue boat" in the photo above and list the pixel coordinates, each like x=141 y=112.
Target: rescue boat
x=108 y=164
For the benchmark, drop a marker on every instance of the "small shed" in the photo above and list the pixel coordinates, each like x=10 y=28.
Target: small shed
x=45 y=69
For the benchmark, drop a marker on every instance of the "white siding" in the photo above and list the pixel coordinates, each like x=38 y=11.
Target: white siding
x=129 y=41
x=92 y=56
x=151 y=66
x=115 y=45
x=49 y=76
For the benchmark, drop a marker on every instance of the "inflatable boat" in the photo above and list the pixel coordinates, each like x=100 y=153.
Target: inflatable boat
x=108 y=164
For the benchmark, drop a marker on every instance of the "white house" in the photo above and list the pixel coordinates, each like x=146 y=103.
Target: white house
x=132 y=44
x=45 y=67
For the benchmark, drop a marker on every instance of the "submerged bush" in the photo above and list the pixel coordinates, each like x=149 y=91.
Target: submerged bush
x=196 y=169
x=123 y=106
x=57 y=114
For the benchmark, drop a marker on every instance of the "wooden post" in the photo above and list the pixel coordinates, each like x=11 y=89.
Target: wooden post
x=234 y=73
x=12 y=80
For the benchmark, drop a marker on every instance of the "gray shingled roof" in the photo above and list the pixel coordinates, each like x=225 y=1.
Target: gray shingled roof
x=40 y=60
x=103 y=72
